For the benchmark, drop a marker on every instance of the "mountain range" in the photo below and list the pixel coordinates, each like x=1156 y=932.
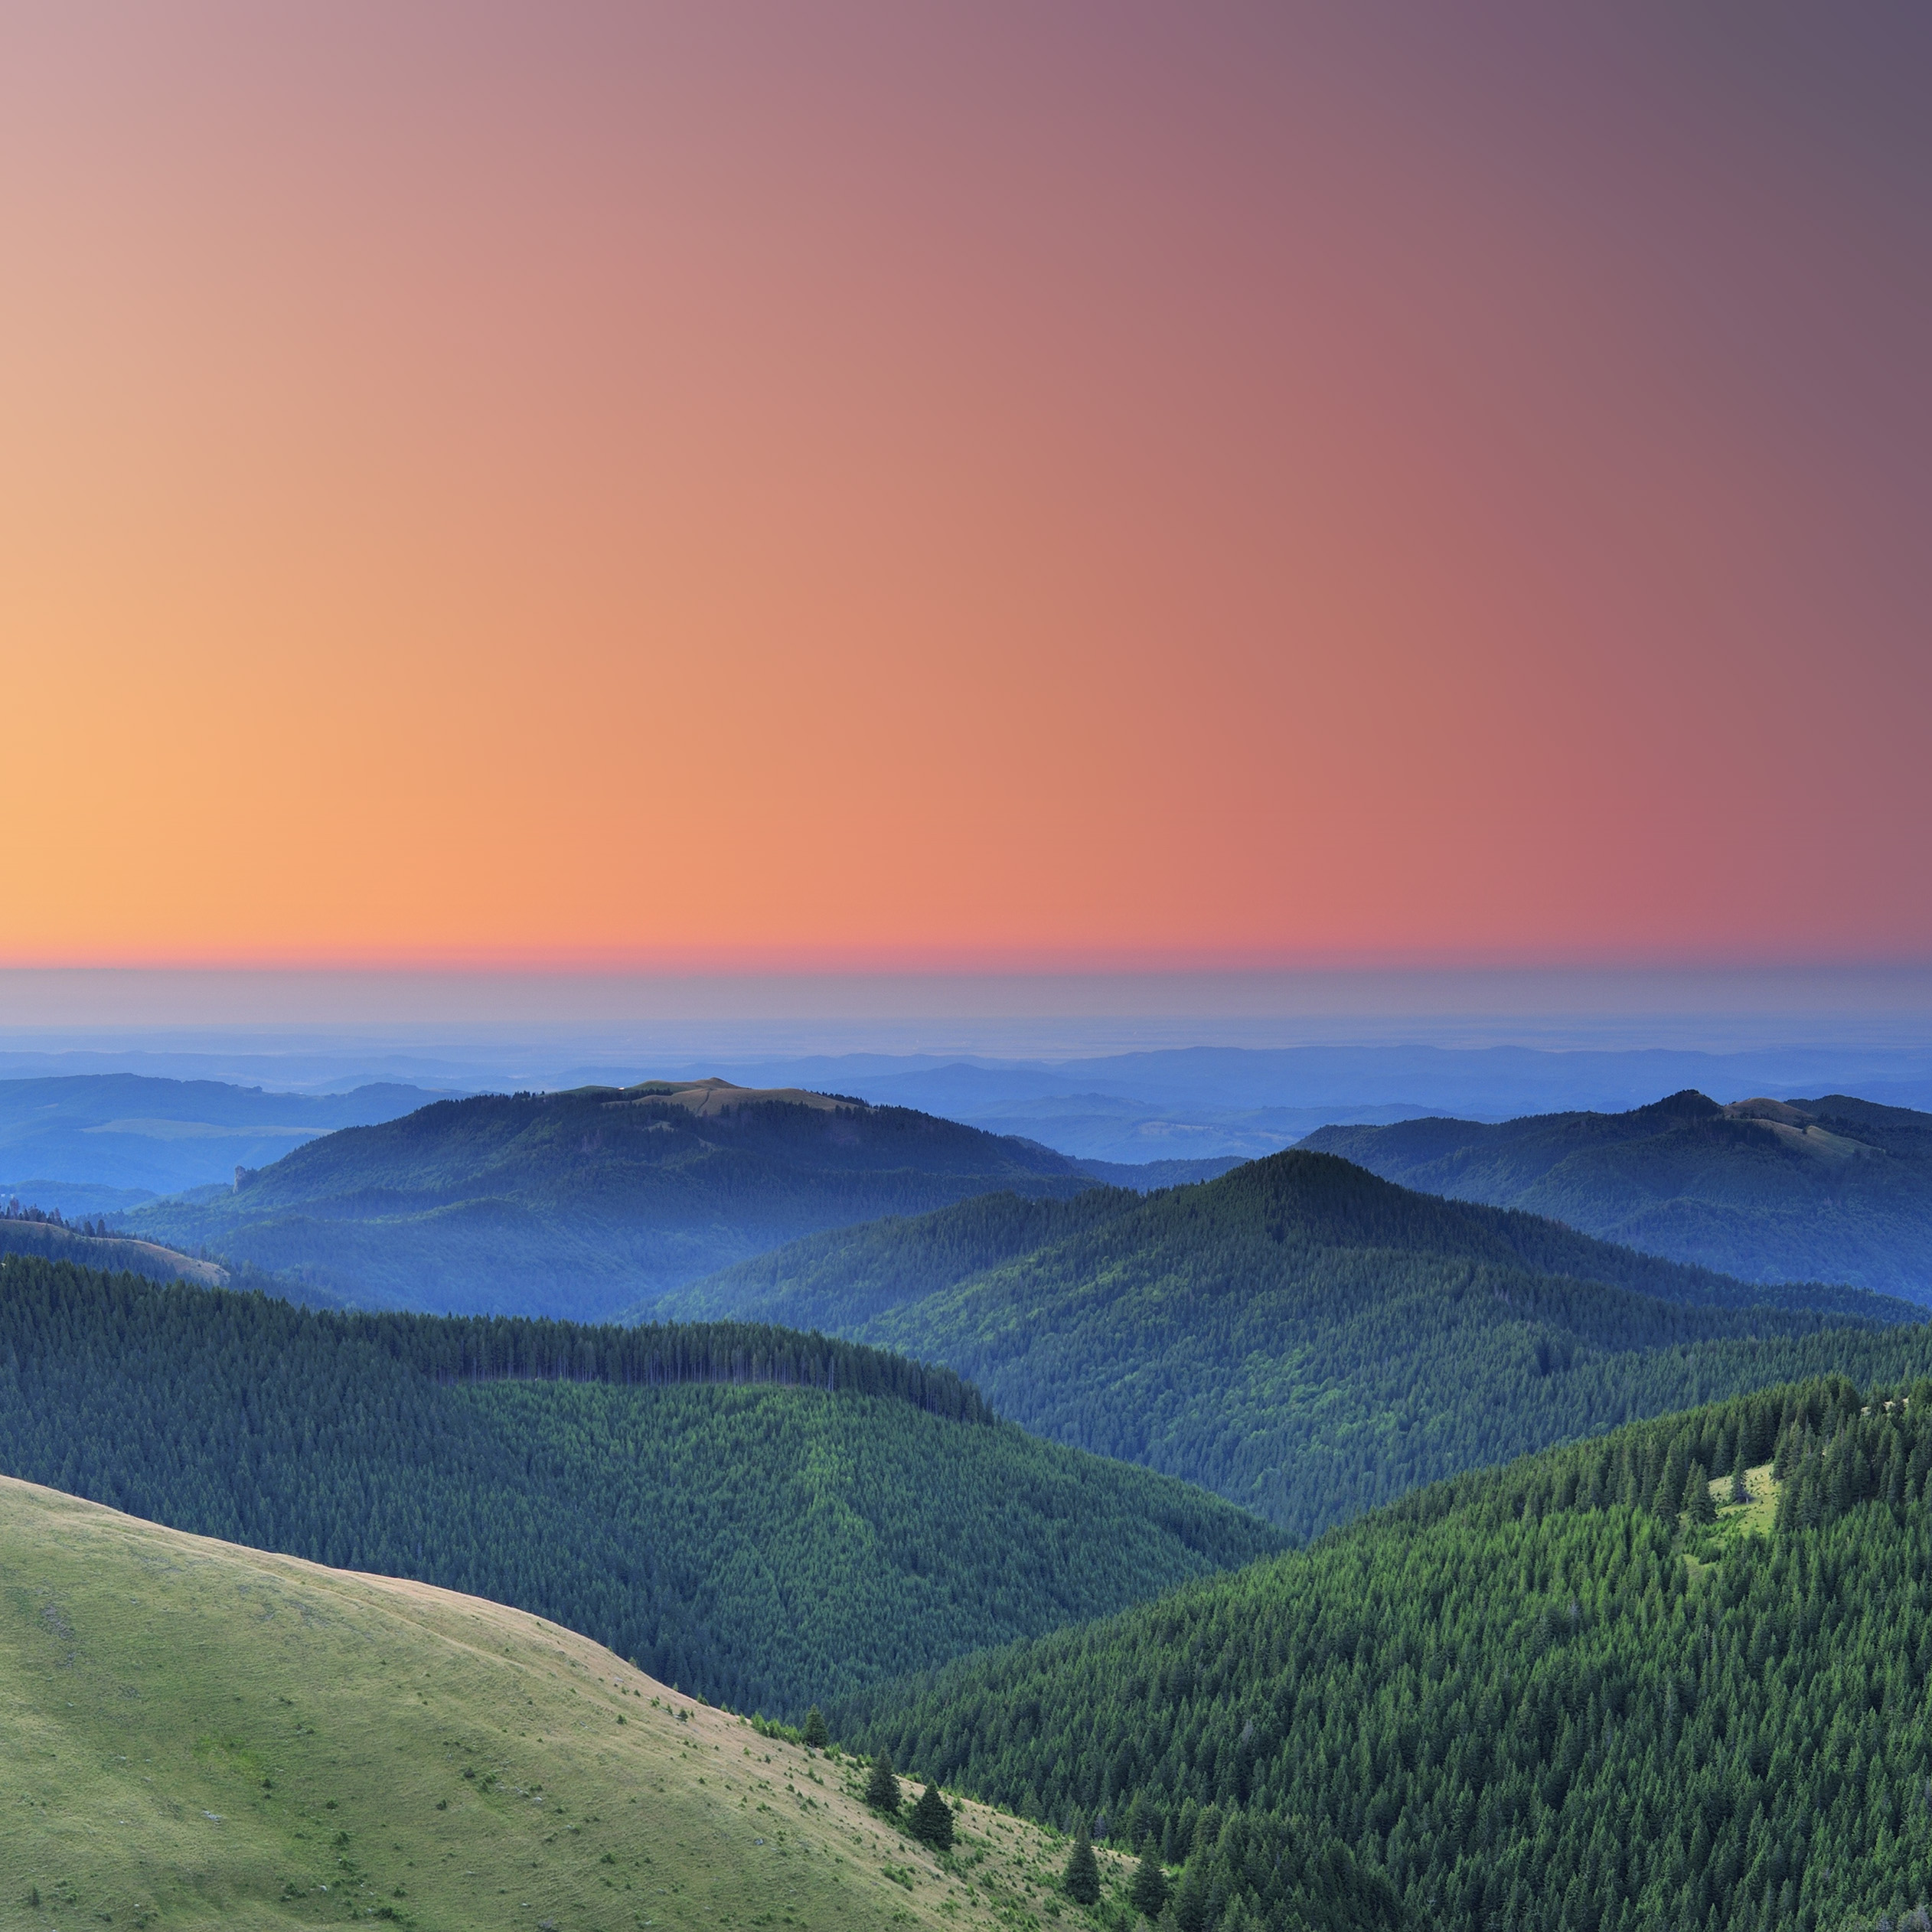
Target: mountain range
x=98 y=1143
x=1835 y=1189
x=1299 y=1336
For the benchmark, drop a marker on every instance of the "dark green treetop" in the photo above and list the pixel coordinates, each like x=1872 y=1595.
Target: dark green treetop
x=931 y=1822
x=1082 y=1879
x=882 y=1787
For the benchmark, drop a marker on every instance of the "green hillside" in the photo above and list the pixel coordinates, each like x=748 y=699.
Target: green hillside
x=1835 y=1189
x=1299 y=1336
x=765 y=1516
x=1547 y=1696
x=196 y=1735
x=575 y=1205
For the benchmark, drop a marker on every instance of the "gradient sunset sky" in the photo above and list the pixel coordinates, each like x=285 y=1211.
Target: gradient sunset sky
x=1028 y=486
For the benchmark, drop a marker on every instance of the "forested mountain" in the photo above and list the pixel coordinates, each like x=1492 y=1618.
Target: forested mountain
x=197 y=1735
x=1587 y=1691
x=96 y=1143
x=1835 y=1189
x=762 y=1516
x=578 y=1204
x=1299 y=1336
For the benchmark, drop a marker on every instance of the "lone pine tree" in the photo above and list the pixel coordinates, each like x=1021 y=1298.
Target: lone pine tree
x=1082 y=1880
x=882 y=1787
x=815 y=1734
x=931 y=1820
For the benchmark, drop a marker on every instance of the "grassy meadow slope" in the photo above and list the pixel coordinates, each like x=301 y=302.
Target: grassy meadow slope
x=1587 y=1693
x=193 y=1733
x=1835 y=1190
x=698 y=1498
x=577 y=1204
x=1302 y=1337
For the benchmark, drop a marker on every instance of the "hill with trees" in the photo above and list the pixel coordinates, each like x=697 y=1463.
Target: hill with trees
x=765 y=1516
x=1301 y=1336
x=195 y=1733
x=90 y=1243
x=574 y=1205
x=1835 y=1190
x=1677 y=1676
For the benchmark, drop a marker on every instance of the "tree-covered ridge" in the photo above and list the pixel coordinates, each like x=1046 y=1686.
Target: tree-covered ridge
x=1835 y=1189
x=1299 y=1336
x=89 y=1244
x=1547 y=1696
x=768 y=1518
x=577 y=1205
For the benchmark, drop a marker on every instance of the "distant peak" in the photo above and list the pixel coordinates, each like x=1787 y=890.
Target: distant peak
x=1687 y=1104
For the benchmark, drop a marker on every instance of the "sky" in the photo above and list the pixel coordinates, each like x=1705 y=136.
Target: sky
x=873 y=488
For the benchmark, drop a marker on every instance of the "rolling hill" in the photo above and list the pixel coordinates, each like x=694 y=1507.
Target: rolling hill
x=1835 y=1190
x=765 y=1516
x=576 y=1204
x=1300 y=1337
x=198 y=1735
x=1545 y=1695
x=28 y=1233
x=102 y=1143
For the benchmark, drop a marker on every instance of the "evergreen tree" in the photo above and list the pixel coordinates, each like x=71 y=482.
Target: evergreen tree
x=1082 y=1879
x=1740 y=1488
x=1699 y=1506
x=1149 y=1891
x=931 y=1822
x=882 y=1787
x=815 y=1733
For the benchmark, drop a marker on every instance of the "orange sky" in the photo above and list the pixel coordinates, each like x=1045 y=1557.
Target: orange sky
x=990 y=486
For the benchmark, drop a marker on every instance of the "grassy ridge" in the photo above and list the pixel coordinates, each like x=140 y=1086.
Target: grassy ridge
x=196 y=1735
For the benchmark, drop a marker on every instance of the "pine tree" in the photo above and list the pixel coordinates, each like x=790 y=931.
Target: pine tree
x=1698 y=1505
x=931 y=1822
x=1149 y=1891
x=1082 y=1880
x=816 y=1735
x=882 y=1788
x=1740 y=1488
